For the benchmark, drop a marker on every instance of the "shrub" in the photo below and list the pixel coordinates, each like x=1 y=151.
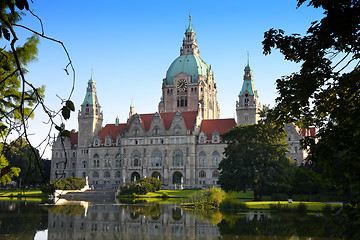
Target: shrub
x=141 y=186
x=326 y=210
x=71 y=183
x=211 y=196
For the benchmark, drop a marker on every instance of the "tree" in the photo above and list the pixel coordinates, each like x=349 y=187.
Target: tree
x=325 y=92
x=19 y=97
x=255 y=157
x=19 y=154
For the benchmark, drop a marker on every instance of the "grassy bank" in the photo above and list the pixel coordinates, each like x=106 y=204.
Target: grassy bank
x=22 y=194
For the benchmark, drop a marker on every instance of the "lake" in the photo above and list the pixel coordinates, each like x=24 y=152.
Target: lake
x=85 y=220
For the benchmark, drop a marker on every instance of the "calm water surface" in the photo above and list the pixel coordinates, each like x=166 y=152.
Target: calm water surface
x=83 y=220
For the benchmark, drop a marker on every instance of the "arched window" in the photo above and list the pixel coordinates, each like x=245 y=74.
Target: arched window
x=84 y=163
x=202 y=174
x=156 y=159
x=56 y=155
x=74 y=154
x=178 y=159
x=107 y=174
x=202 y=159
x=117 y=174
x=73 y=165
x=95 y=174
x=84 y=175
x=96 y=156
x=215 y=159
x=215 y=174
x=136 y=158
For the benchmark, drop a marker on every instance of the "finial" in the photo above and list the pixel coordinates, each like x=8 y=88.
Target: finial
x=248 y=59
x=91 y=72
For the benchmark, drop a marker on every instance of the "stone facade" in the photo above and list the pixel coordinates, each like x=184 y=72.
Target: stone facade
x=180 y=144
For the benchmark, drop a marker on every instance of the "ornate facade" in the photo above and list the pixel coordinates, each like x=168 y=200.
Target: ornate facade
x=180 y=144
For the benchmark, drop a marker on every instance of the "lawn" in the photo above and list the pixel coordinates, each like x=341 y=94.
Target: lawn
x=311 y=206
x=22 y=193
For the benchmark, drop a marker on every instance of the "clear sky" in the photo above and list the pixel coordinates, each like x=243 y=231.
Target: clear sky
x=130 y=45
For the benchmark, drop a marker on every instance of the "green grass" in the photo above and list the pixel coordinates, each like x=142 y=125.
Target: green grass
x=311 y=206
x=21 y=193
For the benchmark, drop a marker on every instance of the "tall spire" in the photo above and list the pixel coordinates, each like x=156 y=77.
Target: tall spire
x=90 y=96
x=189 y=43
x=248 y=83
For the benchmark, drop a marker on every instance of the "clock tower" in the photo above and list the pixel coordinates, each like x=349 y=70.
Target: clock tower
x=189 y=84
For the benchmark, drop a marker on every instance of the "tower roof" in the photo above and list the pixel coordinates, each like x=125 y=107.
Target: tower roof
x=90 y=96
x=191 y=64
x=248 y=83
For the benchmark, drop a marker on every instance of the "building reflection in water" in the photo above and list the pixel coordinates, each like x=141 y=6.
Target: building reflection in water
x=149 y=221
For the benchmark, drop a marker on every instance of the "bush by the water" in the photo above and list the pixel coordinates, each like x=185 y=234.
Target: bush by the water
x=230 y=202
x=211 y=196
x=141 y=186
x=70 y=183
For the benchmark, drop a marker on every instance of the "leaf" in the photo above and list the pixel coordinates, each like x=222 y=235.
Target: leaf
x=65 y=111
x=70 y=105
x=58 y=128
x=21 y=4
x=65 y=133
x=6 y=33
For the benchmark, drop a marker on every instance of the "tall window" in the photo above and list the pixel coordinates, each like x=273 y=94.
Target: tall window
x=215 y=159
x=178 y=159
x=202 y=159
x=156 y=159
x=136 y=158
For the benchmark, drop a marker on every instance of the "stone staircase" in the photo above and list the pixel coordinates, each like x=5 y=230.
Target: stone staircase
x=94 y=196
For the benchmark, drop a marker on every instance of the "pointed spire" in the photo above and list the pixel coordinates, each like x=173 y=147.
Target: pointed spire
x=90 y=96
x=117 y=121
x=248 y=83
x=190 y=29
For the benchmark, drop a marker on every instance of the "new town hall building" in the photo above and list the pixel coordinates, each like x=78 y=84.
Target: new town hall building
x=180 y=144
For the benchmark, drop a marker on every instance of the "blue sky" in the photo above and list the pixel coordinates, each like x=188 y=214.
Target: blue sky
x=130 y=45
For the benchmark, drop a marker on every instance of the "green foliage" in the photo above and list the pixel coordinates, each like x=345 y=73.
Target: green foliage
x=210 y=196
x=230 y=202
x=255 y=157
x=67 y=210
x=70 y=183
x=308 y=182
x=326 y=91
x=6 y=172
x=141 y=186
x=20 y=154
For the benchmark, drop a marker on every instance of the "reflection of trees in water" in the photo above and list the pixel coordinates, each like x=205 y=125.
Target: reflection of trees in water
x=282 y=224
x=21 y=220
x=177 y=213
x=148 y=210
x=68 y=210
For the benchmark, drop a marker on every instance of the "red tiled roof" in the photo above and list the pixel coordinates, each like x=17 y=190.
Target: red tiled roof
x=111 y=130
x=74 y=139
x=220 y=125
x=308 y=132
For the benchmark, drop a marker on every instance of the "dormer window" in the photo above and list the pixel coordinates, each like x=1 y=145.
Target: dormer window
x=202 y=138
x=215 y=137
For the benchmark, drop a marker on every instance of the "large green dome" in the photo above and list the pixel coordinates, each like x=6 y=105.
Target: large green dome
x=190 y=64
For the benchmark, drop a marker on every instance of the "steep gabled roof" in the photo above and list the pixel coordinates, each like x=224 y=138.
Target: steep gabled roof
x=112 y=130
x=220 y=125
x=189 y=119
